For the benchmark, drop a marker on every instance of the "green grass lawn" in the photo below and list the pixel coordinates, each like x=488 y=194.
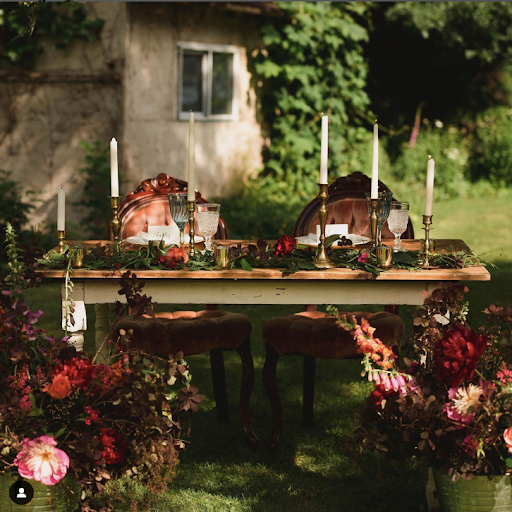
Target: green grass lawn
x=316 y=469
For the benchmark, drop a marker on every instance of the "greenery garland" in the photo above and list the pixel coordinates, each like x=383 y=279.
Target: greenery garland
x=283 y=256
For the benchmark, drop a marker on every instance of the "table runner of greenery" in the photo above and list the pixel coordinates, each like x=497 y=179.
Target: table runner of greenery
x=282 y=255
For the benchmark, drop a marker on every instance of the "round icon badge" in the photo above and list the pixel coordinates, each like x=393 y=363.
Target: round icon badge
x=21 y=492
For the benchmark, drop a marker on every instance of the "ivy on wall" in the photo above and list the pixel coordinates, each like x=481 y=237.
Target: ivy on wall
x=312 y=62
x=22 y=25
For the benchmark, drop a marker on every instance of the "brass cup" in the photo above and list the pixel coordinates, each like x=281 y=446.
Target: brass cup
x=432 y=246
x=78 y=258
x=384 y=256
x=221 y=254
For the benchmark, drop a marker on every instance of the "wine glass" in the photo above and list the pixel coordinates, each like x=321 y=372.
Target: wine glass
x=179 y=211
x=397 y=222
x=208 y=221
x=382 y=210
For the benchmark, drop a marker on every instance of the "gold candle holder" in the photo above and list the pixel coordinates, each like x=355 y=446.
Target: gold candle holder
x=61 y=235
x=321 y=260
x=426 y=245
x=191 y=205
x=374 y=220
x=78 y=257
x=115 y=223
x=384 y=256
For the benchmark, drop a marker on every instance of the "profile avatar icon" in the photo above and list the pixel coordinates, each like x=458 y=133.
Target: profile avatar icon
x=21 y=492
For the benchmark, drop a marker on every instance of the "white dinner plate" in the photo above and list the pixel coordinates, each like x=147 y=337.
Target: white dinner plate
x=312 y=241
x=138 y=240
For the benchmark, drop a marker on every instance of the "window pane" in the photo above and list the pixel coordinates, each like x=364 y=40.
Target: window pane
x=192 y=84
x=222 y=83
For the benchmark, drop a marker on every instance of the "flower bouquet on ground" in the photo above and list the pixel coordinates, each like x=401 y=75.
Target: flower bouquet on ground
x=450 y=406
x=62 y=414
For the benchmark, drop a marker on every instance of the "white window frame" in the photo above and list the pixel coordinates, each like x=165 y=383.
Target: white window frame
x=207 y=81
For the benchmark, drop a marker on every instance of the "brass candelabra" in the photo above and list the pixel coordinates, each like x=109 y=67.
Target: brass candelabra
x=61 y=235
x=322 y=260
x=374 y=220
x=115 y=223
x=191 y=205
x=426 y=246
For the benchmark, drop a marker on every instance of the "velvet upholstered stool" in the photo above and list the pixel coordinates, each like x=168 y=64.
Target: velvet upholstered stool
x=193 y=333
x=313 y=334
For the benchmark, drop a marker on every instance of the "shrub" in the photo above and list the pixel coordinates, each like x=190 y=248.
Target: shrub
x=450 y=152
x=491 y=153
x=96 y=192
x=262 y=208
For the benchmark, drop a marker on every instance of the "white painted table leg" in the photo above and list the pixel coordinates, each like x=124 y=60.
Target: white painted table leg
x=430 y=491
x=102 y=328
x=74 y=317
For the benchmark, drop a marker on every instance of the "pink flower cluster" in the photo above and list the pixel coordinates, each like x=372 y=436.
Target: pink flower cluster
x=389 y=382
x=18 y=383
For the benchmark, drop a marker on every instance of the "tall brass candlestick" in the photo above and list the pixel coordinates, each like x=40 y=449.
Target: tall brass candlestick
x=426 y=246
x=374 y=205
x=191 y=227
x=61 y=234
x=321 y=260
x=115 y=223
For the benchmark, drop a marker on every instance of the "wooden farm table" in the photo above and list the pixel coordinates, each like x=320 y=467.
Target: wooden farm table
x=261 y=286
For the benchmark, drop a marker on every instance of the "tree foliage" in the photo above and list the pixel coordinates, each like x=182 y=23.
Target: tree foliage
x=22 y=25
x=312 y=62
x=476 y=30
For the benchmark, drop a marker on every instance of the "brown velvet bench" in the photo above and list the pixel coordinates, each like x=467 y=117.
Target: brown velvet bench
x=314 y=334
x=194 y=333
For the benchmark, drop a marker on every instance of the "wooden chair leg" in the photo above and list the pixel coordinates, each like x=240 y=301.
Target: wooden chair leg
x=245 y=393
x=392 y=308
x=308 y=391
x=270 y=385
x=219 y=384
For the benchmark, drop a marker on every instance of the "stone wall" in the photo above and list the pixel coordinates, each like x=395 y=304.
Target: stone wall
x=73 y=95
x=154 y=140
x=125 y=86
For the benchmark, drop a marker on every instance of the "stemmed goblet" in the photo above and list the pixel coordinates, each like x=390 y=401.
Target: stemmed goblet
x=382 y=210
x=208 y=221
x=397 y=222
x=179 y=212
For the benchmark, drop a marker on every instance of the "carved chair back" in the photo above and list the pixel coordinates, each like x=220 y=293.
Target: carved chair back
x=346 y=205
x=148 y=205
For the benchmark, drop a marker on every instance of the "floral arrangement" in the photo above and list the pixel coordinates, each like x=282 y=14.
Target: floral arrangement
x=450 y=407
x=63 y=414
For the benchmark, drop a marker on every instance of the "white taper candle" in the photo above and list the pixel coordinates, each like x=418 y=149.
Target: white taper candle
x=61 y=210
x=114 y=169
x=324 y=149
x=429 y=195
x=375 y=162
x=191 y=196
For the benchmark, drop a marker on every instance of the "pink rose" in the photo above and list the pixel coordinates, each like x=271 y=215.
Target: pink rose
x=39 y=460
x=507 y=436
x=363 y=257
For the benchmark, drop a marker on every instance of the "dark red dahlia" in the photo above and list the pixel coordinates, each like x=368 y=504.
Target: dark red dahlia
x=285 y=245
x=114 y=446
x=380 y=393
x=457 y=354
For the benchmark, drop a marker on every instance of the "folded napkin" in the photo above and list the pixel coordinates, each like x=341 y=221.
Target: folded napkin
x=332 y=229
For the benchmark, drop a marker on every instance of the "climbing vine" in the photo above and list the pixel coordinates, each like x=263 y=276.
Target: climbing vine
x=312 y=62
x=23 y=24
